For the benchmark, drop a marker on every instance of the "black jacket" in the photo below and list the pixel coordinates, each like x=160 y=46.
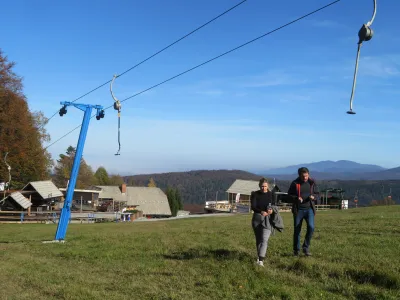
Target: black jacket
x=271 y=222
x=294 y=191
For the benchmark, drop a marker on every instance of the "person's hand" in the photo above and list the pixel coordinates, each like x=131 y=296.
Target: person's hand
x=300 y=199
x=312 y=197
x=264 y=213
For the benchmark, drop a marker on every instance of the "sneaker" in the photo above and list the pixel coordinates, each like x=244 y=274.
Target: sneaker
x=295 y=253
x=260 y=263
x=307 y=252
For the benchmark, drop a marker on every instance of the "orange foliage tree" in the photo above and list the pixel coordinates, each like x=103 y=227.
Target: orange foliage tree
x=21 y=132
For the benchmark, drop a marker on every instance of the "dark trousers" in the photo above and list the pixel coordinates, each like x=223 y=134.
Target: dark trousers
x=308 y=215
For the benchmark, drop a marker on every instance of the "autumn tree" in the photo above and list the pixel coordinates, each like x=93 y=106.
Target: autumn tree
x=151 y=183
x=116 y=179
x=63 y=171
x=21 y=132
x=385 y=201
x=101 y=176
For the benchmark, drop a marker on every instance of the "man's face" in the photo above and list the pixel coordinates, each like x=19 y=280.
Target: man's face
x=304 y=176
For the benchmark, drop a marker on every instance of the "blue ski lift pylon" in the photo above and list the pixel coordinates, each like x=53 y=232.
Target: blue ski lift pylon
x=66 y=210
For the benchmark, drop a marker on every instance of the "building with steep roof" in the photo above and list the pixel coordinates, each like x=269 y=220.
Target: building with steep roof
x=152 y=201
x=36 y=196
x=42 y=194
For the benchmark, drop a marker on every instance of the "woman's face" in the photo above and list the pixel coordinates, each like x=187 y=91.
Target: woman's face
x=264 y=187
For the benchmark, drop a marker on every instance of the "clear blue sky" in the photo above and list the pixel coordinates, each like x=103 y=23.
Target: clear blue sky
x=279 y=101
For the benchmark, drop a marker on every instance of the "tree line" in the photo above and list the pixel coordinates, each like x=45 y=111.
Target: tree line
x=86 y=176
x=21 y=132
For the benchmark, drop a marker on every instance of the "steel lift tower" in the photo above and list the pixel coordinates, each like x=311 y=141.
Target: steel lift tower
x=66 y=210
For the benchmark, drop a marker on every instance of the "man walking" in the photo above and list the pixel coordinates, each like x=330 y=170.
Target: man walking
x=303 y=190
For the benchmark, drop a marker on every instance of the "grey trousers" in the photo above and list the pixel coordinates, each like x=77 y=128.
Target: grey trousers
x=262 y=235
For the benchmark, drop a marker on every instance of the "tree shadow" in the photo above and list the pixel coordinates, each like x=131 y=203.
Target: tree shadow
x=198 y=253
x=374 y=277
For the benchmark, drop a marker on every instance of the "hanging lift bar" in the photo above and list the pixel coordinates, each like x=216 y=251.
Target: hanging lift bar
x=117 y=107
x=364 y=35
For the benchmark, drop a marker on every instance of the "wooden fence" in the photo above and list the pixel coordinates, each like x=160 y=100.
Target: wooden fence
x=49 y=217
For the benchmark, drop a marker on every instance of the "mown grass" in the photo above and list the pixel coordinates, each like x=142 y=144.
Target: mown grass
x=356 y=255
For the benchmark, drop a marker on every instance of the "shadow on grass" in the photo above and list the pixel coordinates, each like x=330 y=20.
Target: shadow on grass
x=219 y=254
x=374 y=277
x=20 y=242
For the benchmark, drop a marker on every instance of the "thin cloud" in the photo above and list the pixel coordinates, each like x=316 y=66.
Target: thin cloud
x=276 y=78
x=384 y=66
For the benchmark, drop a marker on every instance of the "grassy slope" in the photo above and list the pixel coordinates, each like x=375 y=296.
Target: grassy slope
x=356 y=255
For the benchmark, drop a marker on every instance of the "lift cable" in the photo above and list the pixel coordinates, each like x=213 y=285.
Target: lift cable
x=208 y=61
x=153 y=55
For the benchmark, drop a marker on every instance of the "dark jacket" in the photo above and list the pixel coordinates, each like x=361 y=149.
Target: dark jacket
x=294 y=190
x=257 y=207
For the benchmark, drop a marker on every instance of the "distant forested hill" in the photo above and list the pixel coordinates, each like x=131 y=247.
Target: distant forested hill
x=201 y=185
x=195 y=186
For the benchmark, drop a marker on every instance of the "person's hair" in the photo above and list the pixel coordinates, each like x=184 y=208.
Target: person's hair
x=261 y=182
x=302 y=170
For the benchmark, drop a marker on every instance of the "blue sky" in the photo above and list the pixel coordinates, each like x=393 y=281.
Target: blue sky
x=279 y=101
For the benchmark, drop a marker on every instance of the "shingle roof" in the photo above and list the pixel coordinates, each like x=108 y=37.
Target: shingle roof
x=244 y=187
x=151 y=200
x=110 y=192
x=46 y=189
x=20 y=199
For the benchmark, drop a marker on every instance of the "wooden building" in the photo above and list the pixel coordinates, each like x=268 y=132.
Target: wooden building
x=83 y=199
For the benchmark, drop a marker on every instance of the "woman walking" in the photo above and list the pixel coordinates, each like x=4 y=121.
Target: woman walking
x=261 y=202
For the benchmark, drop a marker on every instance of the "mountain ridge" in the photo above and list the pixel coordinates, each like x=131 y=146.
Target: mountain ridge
x=198 y=186
x=327 y=166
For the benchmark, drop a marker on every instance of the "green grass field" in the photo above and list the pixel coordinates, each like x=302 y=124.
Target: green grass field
x=356 y=255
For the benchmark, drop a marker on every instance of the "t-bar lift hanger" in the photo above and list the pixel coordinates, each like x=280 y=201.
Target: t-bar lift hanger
x=364 y=35
x=117 y=106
